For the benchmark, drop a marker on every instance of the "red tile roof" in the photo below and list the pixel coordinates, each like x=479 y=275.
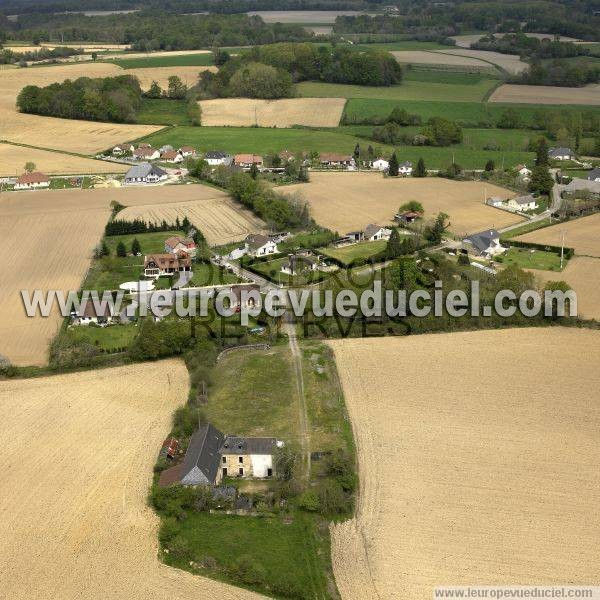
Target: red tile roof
x=35 y=177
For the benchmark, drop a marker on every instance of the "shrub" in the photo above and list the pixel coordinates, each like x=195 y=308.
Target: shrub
x=168 y=530
x=309 y=501
x=332 y=500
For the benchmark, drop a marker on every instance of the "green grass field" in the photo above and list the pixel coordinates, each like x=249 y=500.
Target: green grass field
x=532 y=259
x=410 y=89
x=163 y=111
x=349 y=254
x=149 y=242
x=109 y=338
x=109 y=273
x=186 y=60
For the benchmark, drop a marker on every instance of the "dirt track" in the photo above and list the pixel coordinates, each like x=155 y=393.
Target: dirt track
x=473 y=470
x=76 y=466
x=346 y=201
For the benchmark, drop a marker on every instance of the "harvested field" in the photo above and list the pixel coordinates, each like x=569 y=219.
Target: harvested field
x=433 y=58
x=61 y=232
x=84 y=137
x=582 y=234
x=582 y=273
x=348 y=201
x=219 y=218
x=545 y=94
x=75 y=520
x=13 y=159
x=304 y=16
x=245 y=112
x=477 y=473
x=189 y=75
x=509 y=62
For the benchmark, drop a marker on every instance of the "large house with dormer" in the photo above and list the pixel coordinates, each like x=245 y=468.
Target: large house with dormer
x=163 y=265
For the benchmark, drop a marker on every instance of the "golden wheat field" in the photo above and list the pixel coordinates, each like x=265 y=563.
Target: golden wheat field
x=189 y=75
x=433 y=58
x=582 y=234
x=582 y=273
x=245 y=112
x=344 y=202
x=83 y=137
x=509 y=62
x=46 y=239
x=219 y=218
x=76 y=469
x=475 y=471
x=13 y=159
x=543 y=94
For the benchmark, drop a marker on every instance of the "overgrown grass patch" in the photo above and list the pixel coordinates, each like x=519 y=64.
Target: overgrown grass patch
x=162 y=111
x=359 y=251
x=113 y=337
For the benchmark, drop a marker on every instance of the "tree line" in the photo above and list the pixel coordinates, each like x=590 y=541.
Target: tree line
x=9 y=57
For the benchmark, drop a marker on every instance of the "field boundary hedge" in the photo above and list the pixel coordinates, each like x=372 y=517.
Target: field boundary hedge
x=568 y=252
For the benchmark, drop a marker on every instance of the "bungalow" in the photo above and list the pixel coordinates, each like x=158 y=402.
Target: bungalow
x=260 y=245
x=522 y=203
x=121 y=149
x=561 y=154
x=585 y=186
x=331 y=159
x=405 y=168
x=145 y=173
x=376 y=232
x=380 y=164
x=32 y=181
x=407 y=217
x=212 y=456
x=89 y=314
x=171 y=156
x=245 y=161
x=495 y=201
x=594 y=175
x=298 y=263
x=177 y=244
x=485 y=243
x=523 y=172
x=186 y=151
x=160 y=265
x=216 y=157
x=143 y=153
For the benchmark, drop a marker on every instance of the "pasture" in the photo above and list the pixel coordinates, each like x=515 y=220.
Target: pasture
x=457 y=469
x=345 y=202
x=70 y=224
x=13 y=159
x=84 y=137
x=247 y=112
x=543 y=94
x=87 y=530
x=582 y=234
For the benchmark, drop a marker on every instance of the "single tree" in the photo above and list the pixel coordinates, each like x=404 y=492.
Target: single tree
x=393 y=248
x=541 y=180
x=136 y=247
x=541 y=152
x=435 y=231
x=176 y=88
x=94 y=56
x=420 y=171
x=357 y=153
x=254 y=171
x=121 y=250
x=490 y=165
x=393 y=166
x=29 y=166
x=155 y=90
x=403 y=274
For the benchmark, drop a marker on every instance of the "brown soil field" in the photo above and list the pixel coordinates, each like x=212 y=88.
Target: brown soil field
x=509 y=62
x=432 y=58
x=47 y=132
x=219 y=218
x=46 y=239
x=75 y=520
x=543 y=94
x=344 y=202
x=245 y=112
x=189 y=75
x=582 y=273
x=477 y=472
x=582 y=234
x=13 y=159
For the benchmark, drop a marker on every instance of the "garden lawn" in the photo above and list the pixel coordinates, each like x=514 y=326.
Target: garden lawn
x=349 y=254
x=209 y=274
x=408 y=90
x=113 y=337
x=109 y=273
x=151 y=243
x=527 y=258
x=272 y=270
x=292 y=557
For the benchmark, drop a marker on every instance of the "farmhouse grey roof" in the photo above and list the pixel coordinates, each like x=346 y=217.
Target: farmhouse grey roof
x=524 y=199
x=201 y=461
x=292 y=263
x=216 y=154
x=593 y=175
x=578 y=185
x=256 y=240
x=234 y=445
x=483 y=240
x=142 y=171
x=560 y=152
x=371 y=230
